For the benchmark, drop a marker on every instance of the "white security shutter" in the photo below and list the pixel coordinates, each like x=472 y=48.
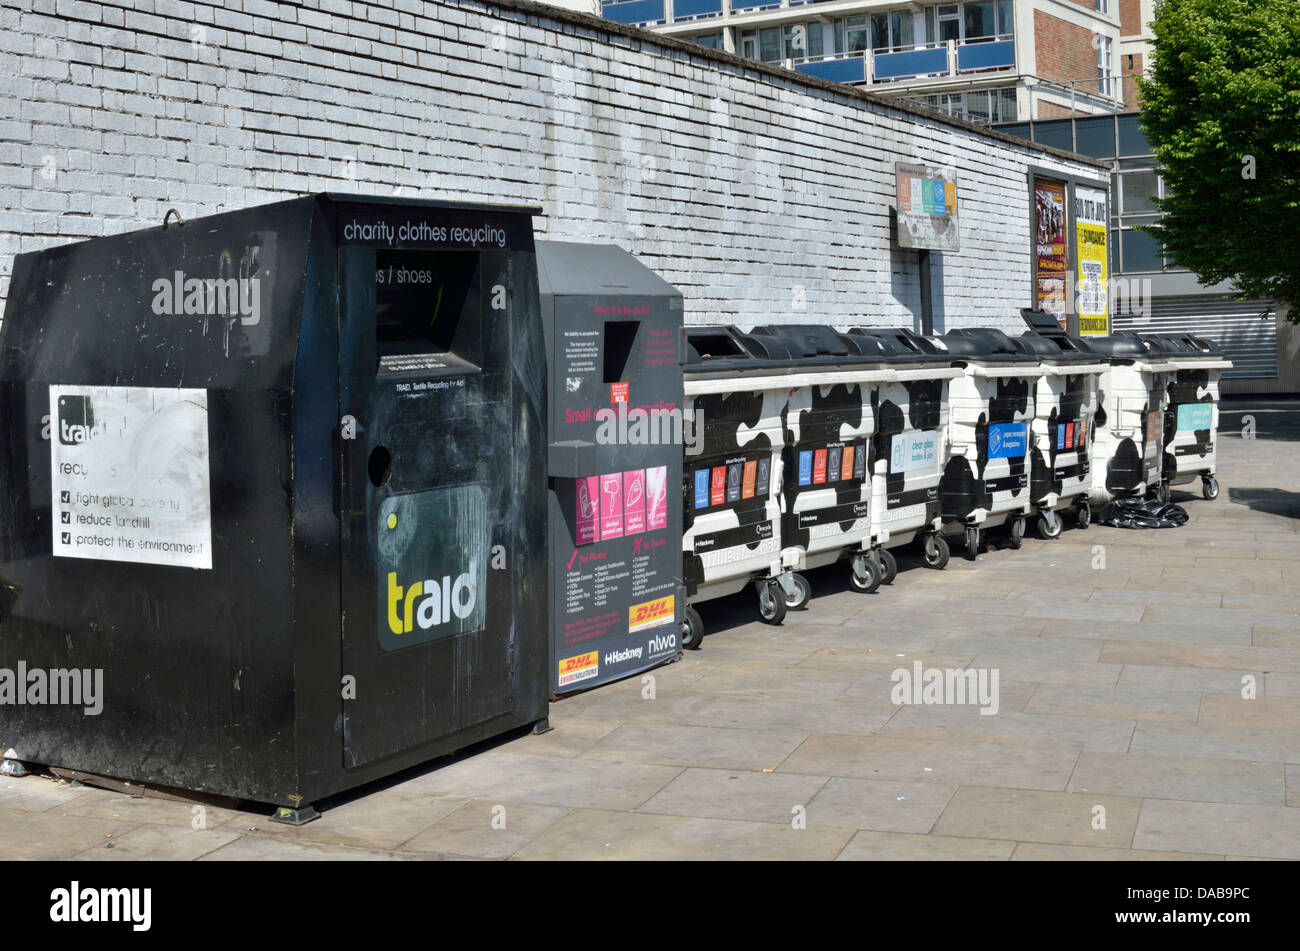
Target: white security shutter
x=1250 y=343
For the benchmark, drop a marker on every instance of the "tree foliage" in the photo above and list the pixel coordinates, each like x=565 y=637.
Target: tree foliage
x=1222 y=113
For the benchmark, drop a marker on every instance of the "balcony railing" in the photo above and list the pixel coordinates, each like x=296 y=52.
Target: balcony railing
x=951 y=58
x=998 y=53
x=695 y=9
x=838 y=68
x=904 y=64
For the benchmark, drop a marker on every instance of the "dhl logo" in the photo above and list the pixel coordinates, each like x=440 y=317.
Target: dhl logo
x=576 y=669
x=580 y=662
x=651 y=613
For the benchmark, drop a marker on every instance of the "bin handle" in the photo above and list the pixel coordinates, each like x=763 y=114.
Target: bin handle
x=744 y=383
x=167 y=217
x=1077 y=370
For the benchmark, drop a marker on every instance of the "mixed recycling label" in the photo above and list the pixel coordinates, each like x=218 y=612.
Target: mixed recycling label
x=130 y=475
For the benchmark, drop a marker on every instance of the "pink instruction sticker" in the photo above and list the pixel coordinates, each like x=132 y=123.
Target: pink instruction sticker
x=611 y=505
x=634 y=502
x=656 y=506
x=587 y=508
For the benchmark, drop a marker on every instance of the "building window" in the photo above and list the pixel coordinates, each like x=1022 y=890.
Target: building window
x=892 y=31
x=970 y=22
x=1103 y=65
x=851 y=34
x=803 y=41
x=1134 y=189
x=712 y=40
x=1100 y=5
x=980 y=20
x=797 y=41
x=983 y=106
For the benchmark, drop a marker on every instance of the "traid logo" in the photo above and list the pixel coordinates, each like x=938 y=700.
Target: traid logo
x=77 y=420
x=651 y=614
x=430 y=603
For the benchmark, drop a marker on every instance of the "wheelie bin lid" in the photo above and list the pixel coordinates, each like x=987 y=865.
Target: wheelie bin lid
x=811 y=344
x=913 y=357
x=775 y=357
x=1188 y=350
x=1054 y=347
x=1125 y=347
x=984 y=351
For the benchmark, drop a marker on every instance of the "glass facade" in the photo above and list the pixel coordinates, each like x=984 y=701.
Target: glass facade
x=774 y=44
x=1135 y=183
x=982 y=106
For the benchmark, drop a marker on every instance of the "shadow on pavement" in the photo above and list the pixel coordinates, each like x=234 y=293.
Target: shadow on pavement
x=1273 y=419
x=1272 y=501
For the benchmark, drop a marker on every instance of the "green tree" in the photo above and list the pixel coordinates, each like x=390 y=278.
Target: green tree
x=1222 y=113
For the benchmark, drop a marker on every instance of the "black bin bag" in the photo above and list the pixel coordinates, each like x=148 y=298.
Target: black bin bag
x=1142 y=513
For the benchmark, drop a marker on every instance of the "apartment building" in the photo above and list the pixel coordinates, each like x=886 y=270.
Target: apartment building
x=987 y=61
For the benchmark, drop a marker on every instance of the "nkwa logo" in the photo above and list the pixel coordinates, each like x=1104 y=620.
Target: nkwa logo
x=77 y=420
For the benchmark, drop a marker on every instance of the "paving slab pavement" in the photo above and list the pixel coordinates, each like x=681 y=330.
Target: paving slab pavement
x=1149 y=709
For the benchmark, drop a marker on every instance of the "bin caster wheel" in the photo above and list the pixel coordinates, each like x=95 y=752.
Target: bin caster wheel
x=1016 y=533
x=1049 y=525
x=888 y=566
x=1082 y=513
x=1210 y=488
x=972 y=542
x=936 y=551
x=802 y=592
x=865 y=573
x=692 y=630
x=1161 y=493
x=771 y=602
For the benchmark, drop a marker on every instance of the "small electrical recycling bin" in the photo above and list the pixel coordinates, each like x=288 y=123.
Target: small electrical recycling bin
x=911 y=442
x=986 y=477
x=1065 y=404
x=1192 y=416
x=278 y=477
x=731 y=482
x=613 y=344
x=1128 y=435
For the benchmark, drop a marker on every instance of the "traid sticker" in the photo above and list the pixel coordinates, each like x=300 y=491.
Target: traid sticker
x=431 y=553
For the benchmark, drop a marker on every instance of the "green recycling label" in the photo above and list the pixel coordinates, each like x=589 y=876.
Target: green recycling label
x=1193 y=416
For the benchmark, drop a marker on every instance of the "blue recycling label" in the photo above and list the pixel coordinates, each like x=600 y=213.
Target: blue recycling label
x=805 y=467
x=1008 y=440
x=701 y=488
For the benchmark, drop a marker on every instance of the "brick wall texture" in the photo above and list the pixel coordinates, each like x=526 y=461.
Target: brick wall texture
x=754 y=193
x=1064 y=51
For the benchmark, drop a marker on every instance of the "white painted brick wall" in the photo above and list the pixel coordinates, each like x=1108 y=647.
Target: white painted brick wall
x=737 y=186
